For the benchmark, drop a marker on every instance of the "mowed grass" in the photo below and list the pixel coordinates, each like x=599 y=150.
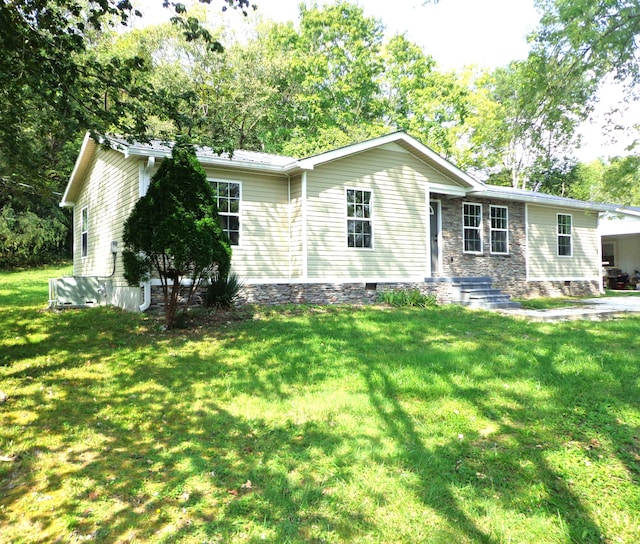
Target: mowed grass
x=327 y=424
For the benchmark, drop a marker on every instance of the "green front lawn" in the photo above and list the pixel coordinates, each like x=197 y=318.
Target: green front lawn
x=331 y=424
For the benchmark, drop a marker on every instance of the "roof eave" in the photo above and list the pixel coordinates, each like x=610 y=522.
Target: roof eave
x=243 y=165
x=410 y=143
x=78 y=170
x=207 y=160
x=547 y=200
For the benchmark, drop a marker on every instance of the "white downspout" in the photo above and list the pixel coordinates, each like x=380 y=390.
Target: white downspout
x=146 y=301
x=142 y=189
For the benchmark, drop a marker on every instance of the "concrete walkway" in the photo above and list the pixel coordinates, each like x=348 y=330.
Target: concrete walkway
x=586 y=308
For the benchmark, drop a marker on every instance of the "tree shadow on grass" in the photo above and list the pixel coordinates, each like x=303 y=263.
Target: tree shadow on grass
x=144 y=451
x=144 y=439
x=519 y=451
x=515 y=419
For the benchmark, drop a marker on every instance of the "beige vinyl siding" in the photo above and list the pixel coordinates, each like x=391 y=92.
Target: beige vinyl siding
x=400 y=245
x=109 y=193
x=263 y=251
x=296 y=244
x=544 y=263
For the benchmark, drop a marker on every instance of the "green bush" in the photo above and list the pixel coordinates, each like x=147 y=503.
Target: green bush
x=223 y=290
x=407 y=297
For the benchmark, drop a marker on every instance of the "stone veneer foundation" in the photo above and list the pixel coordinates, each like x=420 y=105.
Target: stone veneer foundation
x=367 y=293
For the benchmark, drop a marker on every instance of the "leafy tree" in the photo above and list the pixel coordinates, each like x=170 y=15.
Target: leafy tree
x=588 y=183
x=527 y=122
x=616 y=181
x=592 y=39
x=621 y=181
x=173 y=231
x=46 y=48
x=420 y=99
x=333 y=67
x=226 y=100
x=556 y=177
x=57 y=80
x=27 y=239
x=578 y=45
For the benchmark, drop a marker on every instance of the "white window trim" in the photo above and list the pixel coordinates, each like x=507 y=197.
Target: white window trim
x=492 y=230
x=479 y=228
x=83 y=210
x=239 y=214
x=347 y=219
x=558 y=235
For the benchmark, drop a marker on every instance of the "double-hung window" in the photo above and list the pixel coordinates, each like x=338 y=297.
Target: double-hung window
x=84 y=232
x=564 y=235
x=228 y=201
x=472 y=227
x=499 y=232
x=359 y=219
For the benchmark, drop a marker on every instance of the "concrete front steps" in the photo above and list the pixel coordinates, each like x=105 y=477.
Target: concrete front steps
x=478 y=293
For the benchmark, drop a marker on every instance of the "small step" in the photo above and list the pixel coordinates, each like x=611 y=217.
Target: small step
x=490 y=305
x=477 y=292
x=468 y=282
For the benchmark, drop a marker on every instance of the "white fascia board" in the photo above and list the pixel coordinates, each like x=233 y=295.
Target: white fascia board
x=243 y=165
x=619 y=212
x=65 y=203
x=311 y=162
x=450 y=190
x=618 y=228
x=546 y=200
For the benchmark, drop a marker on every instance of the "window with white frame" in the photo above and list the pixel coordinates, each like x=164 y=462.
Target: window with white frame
x=84 y=232
x=499 y=232
x=609 y=253
x=359 y=219
x=472 y=227
x=564 y=235
x=228 y=201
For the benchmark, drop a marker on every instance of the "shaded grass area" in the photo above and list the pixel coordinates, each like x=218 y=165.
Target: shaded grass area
x=331 y=424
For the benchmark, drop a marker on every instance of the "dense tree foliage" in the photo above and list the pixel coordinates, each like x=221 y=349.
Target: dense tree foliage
x=333 y=66
x=173 y=231
x=420 y=99
x=56 y=81
x=528 y=123
x=592 y=39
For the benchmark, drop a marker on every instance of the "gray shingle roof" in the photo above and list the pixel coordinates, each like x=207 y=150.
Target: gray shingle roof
x=206 y=155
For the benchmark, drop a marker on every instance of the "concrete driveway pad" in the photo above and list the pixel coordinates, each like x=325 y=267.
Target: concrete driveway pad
x=589 y=308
